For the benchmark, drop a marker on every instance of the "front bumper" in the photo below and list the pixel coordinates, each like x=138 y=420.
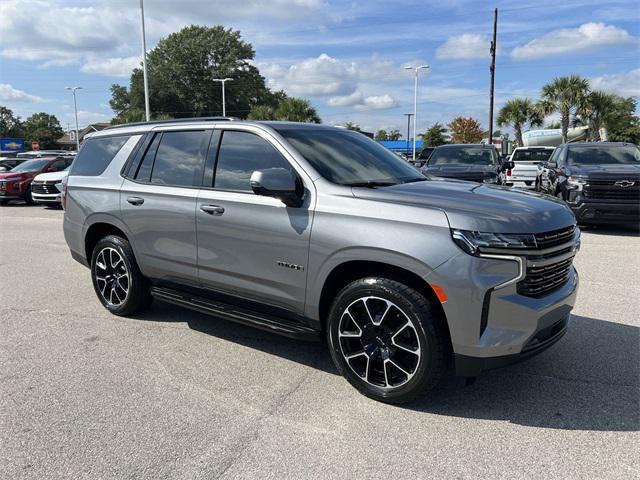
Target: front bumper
x=490 y=323
x=520 y=182
x=606 y=212
x=47 y=198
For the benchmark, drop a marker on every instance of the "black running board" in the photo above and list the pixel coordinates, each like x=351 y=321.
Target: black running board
x=234 y=313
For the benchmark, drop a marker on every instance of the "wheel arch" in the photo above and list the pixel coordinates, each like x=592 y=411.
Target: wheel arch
x=346 y=272
x=99 y=227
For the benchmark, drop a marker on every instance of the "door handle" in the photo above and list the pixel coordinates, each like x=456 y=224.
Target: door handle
x=135 y=200
x=212 y=209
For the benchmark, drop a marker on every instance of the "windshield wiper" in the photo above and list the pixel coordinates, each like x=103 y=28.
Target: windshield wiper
x=417 y=179
x=370 y=184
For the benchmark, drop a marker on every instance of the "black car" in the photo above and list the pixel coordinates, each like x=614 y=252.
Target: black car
x=599 y=181
x=472 y=162
x=425 y=153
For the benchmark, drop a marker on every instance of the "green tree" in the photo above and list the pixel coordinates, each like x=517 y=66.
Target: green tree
x=352 y=126
x=297 y=110
x=134 y=115
x=623 y=124
x=434 y=135
x=10 y=126
x=43 y=128
x=600 y=110
x=381 y=135
x=395 y=135
x=519 y=113
x=262 y=112
x=465 y=130
x=565 y=95
x=181 y=70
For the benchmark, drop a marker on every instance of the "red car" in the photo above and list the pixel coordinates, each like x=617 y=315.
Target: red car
x=16 y=183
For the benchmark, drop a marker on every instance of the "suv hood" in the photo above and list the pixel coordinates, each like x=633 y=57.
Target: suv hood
x=479 y=207
x=51 y=176
x=605 y=172
x=11 y=175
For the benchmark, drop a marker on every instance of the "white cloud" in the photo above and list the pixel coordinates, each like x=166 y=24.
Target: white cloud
x=465 y=46
x=346 y=100
x=322 y=76
x=9 y=94
x=112 y=67
x=626 y=84
x=377 y=102
x=586 y=37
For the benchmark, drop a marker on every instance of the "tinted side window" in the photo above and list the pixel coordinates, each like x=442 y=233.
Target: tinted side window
x=58 y=165
x=180 y=158
x=144 y=171
x=240 y=154
x=96 y=154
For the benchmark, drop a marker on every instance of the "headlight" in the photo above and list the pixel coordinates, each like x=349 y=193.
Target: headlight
x=472 y=242
x=576 y=183
x=59 y=186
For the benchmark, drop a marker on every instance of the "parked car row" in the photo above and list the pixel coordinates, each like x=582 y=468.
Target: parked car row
x=36 y=179
x=599 y=181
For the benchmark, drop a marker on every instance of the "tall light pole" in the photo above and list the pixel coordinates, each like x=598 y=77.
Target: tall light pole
x=223 y=81
x=144 y=65
x=75 y=111
x=408 y=115
x=415 y=104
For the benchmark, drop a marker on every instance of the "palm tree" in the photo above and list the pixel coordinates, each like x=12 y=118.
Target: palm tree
x=262 y=112
x=597 y=110
x=564 y=95
x=519 y=112
x=297 y=110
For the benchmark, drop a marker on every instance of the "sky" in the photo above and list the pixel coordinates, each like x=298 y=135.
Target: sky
x=346 y=57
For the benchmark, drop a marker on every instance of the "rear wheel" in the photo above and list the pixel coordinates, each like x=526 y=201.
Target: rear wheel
x=387 y=340
x=117 y=280
x=28 y=197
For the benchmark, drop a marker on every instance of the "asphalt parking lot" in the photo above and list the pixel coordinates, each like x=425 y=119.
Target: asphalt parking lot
x=176 y=394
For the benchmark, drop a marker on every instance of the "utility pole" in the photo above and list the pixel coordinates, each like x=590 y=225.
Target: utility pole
x=144 y=65
x=492 y=69
x=75 y=111
x=223 y=81
x=408 y=115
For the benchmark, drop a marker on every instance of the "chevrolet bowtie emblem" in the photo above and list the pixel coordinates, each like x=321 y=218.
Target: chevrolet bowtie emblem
x=625 y=183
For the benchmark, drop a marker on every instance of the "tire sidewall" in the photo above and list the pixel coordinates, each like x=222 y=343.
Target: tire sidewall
x=120 y=246
x=378 y=288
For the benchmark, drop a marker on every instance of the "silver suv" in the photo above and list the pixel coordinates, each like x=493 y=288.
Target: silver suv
x=312 y=231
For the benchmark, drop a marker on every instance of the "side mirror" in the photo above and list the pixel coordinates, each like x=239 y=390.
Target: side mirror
x=3 y=169
x=551 y=165
x=52 y=169
x=277 y=183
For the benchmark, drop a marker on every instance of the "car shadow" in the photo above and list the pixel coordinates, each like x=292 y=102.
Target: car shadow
x=589 y=380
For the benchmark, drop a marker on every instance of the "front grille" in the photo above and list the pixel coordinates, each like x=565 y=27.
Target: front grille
x=555 y=237
x=44 y=188
x=540 y=281
x=608 y=190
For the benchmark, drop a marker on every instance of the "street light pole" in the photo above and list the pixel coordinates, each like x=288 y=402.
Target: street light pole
x=408 y=115
x=415 y=103
x=144 y=65
x=75 y=111
x=223 y=81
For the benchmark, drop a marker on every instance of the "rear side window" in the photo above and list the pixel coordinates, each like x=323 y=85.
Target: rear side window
x=96 y=155
x=241 y=153
x=180 y=158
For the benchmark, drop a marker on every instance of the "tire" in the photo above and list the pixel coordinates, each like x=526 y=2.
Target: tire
x=117 y=279
x=28 y=197
x=386 y=361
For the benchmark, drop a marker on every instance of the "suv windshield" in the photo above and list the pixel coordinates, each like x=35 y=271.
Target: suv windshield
x=606 y=154
x=463 y=155
x=350 y=158
x=537 y=156
x=31 y=165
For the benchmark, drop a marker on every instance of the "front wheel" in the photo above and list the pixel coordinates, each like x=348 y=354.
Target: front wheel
x=117 y=280
x=387 y=340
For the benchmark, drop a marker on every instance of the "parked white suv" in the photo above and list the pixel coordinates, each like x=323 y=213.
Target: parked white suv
x=47 y=187
x=526 y=161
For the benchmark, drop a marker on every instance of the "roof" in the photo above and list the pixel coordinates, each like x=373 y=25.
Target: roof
x=597 y=144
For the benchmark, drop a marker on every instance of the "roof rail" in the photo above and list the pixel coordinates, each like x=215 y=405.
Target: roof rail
x=176 y=120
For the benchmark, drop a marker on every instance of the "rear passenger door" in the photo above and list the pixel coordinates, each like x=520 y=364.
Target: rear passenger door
x=250 y=246
x=158 y=203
